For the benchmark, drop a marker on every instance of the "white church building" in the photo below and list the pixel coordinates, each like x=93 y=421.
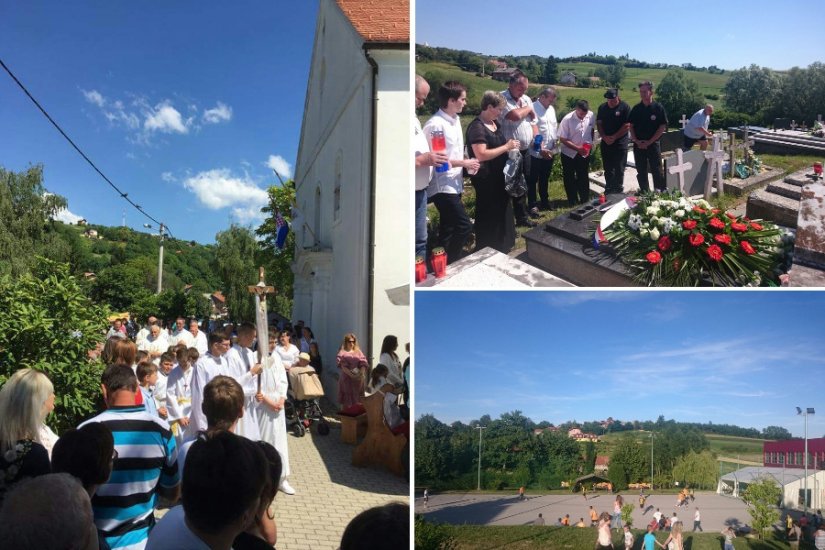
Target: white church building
x=353 y=260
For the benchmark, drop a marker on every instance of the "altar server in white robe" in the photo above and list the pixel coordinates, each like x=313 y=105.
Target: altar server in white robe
x=244 y=367
x=271 y=415
x=179 y=392
x=209 y=366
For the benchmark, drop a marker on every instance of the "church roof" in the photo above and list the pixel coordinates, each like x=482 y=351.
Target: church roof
x=379 y=21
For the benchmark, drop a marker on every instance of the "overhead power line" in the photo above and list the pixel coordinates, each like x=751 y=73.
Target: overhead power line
x=123 y=195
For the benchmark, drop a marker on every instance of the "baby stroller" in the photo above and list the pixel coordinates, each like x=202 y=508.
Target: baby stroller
x=301 y=407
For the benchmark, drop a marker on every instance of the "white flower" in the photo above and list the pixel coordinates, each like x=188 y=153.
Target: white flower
x=652 y=210
x=634 y=221
x=654 y=221
x=656 y=203
x=667 y=225
x=679 y=214
x=654 y=234
x=644 y=232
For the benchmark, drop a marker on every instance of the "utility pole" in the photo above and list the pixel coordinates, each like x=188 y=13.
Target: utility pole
x=479 y=428
x=160 y=254
x=805 y=413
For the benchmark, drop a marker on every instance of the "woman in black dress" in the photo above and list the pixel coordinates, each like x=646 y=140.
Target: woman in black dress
x=494 y=225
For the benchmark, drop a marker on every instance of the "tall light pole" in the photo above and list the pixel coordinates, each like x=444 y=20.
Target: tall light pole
x=805 y=413
x=160 y=254
x=479 y=428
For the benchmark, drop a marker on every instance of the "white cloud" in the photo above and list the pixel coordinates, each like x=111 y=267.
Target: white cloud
x=277 y=163
x=168 y=177
x=94 y=97
x=165 y=118
x=218 y=114
x=219 y=188
x=247 y=214
x=66 y=216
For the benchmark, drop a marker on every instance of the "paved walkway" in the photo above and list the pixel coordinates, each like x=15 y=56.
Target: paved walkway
x=497 y=509
x=330 y=492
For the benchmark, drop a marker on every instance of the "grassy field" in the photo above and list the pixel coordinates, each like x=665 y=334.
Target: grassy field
x=733 y=447
x=476 y=86
x=529 y=537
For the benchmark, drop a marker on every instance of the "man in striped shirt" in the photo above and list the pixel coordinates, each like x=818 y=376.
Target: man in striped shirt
x=144 y=466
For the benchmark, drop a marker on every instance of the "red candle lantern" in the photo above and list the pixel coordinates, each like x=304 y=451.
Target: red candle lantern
x=439 y=262
x=420 y=269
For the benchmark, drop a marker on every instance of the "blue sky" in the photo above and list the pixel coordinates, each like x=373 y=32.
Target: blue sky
x=745 y=358
x=186 y=105
x=729 y=35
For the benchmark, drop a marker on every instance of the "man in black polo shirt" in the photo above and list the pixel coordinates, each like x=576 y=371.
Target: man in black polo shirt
x=612 y=122
x=648 y=122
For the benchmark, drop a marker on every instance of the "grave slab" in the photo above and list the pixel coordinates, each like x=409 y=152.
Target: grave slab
x=809 y=249
x=694 y=176
x=670 y=141
x=785 y=189
x=563 y=246
x=739 y=187
x=769 y=206
x=489 y=269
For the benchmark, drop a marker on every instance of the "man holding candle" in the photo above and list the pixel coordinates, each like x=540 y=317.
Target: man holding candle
x=542 y=162
x=518 y=121
x=447 y=184
x=576 y=136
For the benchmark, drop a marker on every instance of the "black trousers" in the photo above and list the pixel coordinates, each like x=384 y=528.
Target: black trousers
x=454 y=224
x=614 y=158
x=520 y=203
x=540 y=169
x=650 y=159
x=576 y=182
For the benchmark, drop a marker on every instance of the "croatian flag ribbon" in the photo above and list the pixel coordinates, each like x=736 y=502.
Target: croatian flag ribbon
x=611 y=215
x=281 y=231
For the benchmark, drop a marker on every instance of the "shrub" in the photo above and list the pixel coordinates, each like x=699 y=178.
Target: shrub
x=432 y=536
x=49 y=324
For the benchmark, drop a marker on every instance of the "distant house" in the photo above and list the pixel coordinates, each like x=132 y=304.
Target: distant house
x=568 y=79
x=497 y=64
x=549 y=429
x=89 y=276
x=90 y=233
x=578 y=435
x=187 y=288
x=218 y=302
x=503 y=74
x=602 y=463
x=82 y=221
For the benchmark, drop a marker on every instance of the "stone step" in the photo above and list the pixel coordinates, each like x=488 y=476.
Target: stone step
x=785 y=189
x=739 y=187
x=801 y=177
x=779 y=209
x=813 y=140
x=773 y=146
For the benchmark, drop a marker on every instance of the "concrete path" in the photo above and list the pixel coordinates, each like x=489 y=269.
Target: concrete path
x=496 y=509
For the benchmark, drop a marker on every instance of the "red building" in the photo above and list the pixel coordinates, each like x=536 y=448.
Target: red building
x=790 y=453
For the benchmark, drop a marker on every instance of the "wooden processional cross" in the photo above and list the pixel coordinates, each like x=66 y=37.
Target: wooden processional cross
x=715 y=158
x=261 y=321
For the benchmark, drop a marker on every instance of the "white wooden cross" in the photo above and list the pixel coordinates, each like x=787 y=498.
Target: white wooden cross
x=819 y=119
x=680 y=168
x=715 y=158
x=683 y=121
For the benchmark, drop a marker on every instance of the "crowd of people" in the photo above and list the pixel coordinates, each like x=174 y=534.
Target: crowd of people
x=514 y=137
x=191 y=419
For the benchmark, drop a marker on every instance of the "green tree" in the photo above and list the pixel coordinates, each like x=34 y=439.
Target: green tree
x=803 y=94
x=752 y=89
x=235 y=257
x=278 y=263
x=25 y=213
x=615 y=75
x=551 y=70
x=121 y=286
x=49 y=324
x=776 y=432
x=432 y=536
x=679 y=94
x=696 y=469
x=629 y=463
x=761 y=498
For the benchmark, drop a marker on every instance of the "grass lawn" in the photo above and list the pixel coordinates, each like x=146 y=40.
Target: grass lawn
x=736 y=447
x=529 y=537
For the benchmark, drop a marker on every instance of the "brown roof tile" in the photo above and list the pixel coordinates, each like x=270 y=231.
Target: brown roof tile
x=379 y=20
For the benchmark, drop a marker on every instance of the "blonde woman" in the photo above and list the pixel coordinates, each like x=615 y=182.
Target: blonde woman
x=25 y=400
x=674 y=541
x=354 y=367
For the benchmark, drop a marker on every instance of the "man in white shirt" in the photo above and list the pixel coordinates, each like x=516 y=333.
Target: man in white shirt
x=696 y=130
x=180 y=334
x=576 y=136
x=145 y=331
x=518 y=121
x=198 y=337
x=155 y=344
x=542 y=162
x=424 y=162
x=446 y=186
x=243 y=366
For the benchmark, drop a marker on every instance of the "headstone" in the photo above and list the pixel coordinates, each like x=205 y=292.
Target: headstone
x=683 y=121
x=810 y=227
x=670 y=141
x=782 y=124
x=687 y=172
x=819 y=118
x=714 y=158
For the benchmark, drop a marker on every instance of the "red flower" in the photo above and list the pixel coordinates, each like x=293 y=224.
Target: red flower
x=699 y=210
x=715 y=210
x=756 y=226
x=716 y=223
x=722 y=238
x=740 y=227
x=689 y=224
x=746 y=247
x=664 y=243
x=696 y=239
x=715 y=253
x=653 y=257
x=731 y=215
